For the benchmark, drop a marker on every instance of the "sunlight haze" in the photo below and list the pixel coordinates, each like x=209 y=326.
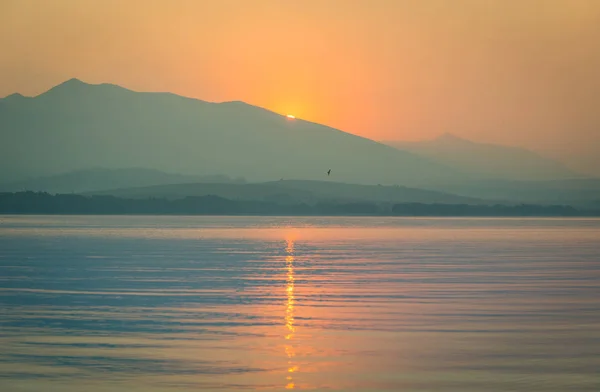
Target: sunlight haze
x=521 y=73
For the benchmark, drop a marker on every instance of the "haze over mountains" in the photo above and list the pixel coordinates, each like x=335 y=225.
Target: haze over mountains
x=153 y=144
x=488 y=161
x=76 y=125
x=575 y=192
x=293 y=191
x=100 y=179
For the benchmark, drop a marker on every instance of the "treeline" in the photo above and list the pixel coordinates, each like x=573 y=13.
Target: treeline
x=45 y=203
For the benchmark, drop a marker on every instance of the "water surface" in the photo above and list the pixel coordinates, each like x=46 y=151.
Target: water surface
x=349 y=304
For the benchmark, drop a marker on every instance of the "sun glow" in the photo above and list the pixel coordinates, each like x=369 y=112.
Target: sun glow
x=291 y=116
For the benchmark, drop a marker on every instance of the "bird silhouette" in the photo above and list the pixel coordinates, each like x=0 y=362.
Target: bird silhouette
x=328 y=172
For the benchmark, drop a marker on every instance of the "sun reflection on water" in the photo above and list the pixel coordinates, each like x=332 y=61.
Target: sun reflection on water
x=289 y=313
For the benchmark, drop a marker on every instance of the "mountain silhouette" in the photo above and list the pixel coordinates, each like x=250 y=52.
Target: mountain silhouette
x=75 y=126
x=575 y=192
x=293 y=191
x=488 y=161
x=100 y=179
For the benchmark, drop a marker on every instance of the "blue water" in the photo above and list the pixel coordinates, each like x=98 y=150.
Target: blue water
x=349 y=304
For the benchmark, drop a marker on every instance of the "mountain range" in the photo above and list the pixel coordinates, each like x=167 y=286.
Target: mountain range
x=488 y=161
x=101 y=179
x=164 y=145
x=293 y=191
x=576 y=192
x=76 y=125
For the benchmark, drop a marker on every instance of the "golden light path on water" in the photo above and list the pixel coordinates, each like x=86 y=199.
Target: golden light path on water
x=289 y=313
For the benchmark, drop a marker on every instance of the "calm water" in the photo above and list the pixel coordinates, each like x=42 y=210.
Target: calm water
x=349 y=304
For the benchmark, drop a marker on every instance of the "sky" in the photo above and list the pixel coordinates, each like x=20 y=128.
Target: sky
x=516 y=72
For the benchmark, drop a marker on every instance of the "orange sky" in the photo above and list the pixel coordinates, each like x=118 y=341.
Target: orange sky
x=521 y=72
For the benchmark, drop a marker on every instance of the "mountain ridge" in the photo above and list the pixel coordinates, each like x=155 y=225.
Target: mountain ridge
x=99 y=179
x=488 y=160
x=76 y=125
x=305 y=191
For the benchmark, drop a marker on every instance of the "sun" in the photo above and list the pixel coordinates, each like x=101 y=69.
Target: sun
x=291 y=116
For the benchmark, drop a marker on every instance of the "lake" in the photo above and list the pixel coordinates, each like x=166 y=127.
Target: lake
x=120 y=303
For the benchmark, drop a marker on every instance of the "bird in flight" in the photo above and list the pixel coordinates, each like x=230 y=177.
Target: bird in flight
x=329 y=172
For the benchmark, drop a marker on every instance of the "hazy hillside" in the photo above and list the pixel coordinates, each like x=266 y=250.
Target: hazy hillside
x=393 y=194
x=76 y=125
x=488 y=161
x=294 y=192
x=578 y=192
x=102 y=179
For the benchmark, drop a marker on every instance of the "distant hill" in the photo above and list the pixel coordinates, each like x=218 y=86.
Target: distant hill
x=294 y=192
x=488 y=161
x=577 y=192
x=102 y=179
x=75 y=126
x=325 y=190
